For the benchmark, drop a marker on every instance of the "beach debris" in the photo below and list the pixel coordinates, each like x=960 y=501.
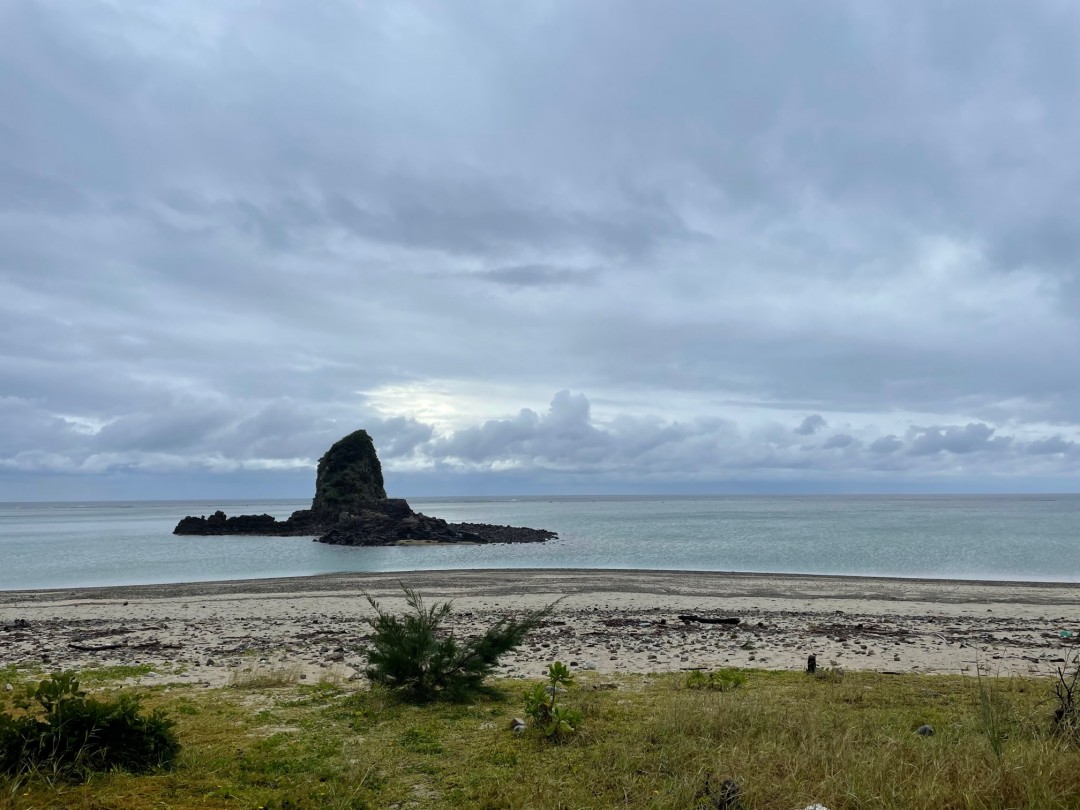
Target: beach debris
x=687 y=618
x=96 y=647
x=8 y=687
x=925 y=730
x=815 y=806
x=152 y=644
x=811 y=664
x=622 y=621
x=517 y=725
x=1066 y=634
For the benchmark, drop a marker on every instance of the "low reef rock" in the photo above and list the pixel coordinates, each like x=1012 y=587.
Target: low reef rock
x=350 y=508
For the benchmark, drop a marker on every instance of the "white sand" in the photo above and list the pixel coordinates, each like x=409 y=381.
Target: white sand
x=613 y=621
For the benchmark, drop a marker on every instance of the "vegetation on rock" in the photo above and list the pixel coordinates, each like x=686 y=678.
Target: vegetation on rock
x=349 y=477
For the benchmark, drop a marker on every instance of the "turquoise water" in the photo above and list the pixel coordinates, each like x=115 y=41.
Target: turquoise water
x=1024 y=537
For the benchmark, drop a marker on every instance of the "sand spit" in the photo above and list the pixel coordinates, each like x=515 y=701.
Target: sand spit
x=608 y=620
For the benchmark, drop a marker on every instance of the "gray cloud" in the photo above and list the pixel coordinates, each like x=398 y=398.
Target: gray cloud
x=970 y=438
x=537 y=276
x=229 y=235
x=838 y=441
x=886 y=444
x=1053 y=445
x=810 y=425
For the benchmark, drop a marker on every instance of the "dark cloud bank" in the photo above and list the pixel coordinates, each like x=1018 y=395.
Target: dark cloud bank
x=768 y=247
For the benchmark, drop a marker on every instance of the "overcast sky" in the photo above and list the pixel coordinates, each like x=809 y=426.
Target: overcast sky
x=548 y=247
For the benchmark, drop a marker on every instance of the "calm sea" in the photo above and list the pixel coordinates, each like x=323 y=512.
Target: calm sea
x=1026 y=537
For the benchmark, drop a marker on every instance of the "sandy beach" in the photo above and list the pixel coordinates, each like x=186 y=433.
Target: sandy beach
x=610 y=621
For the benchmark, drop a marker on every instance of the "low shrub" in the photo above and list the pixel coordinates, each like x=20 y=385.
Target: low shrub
x=542 y=706
x=64 y=733
x=414 y=655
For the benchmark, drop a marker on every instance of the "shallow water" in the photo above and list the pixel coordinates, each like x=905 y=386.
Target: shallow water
x=1021 y=537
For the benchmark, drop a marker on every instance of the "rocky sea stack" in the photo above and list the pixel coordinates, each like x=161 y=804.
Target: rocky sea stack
x=350 y=508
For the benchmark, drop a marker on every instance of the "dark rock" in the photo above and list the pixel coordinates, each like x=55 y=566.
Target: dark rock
x=349 y=477
x=220 y=523
x=925 y=731
x=505 y=534
x=727 y=796
x=350 y=508
x=391 y=521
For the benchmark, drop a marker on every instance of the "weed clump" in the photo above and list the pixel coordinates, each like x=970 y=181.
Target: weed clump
x=64 y=733
x=723 y=680
x=412 y=654
x=1067 y=697
x=555 y=722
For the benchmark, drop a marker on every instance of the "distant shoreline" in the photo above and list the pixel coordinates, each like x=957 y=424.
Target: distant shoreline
x=331 y=581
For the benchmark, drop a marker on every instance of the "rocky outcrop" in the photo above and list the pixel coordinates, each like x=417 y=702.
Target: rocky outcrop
x=350 y=508
x=391 y=522
x=506 y=534
x=349 y=478
x=300 y=523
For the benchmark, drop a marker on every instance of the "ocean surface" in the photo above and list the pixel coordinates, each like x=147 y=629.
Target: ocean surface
x=1016 y=537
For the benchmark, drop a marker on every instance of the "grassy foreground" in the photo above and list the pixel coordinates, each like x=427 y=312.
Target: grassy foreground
x=788 y=739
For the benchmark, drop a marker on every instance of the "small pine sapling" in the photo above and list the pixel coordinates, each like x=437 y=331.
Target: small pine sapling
x=414 y=655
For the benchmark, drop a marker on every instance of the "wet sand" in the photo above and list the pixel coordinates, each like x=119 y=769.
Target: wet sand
x=611 y=621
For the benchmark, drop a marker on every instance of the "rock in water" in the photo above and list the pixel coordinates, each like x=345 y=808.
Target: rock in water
x=350 y=508
x=349 y=478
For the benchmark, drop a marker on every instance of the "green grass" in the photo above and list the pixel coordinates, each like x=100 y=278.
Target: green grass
x=264 y=676
x=788 y=739
x=95 y=676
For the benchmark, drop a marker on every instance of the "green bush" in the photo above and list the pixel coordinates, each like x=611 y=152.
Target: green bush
x=65 y=733
x=723 y=680
x=414 y=655
x=541 y=705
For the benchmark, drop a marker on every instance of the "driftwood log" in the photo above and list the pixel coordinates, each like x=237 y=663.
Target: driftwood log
x=693 y=617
